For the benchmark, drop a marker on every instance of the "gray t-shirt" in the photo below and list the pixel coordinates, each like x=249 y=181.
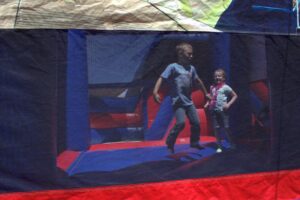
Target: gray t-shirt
x=182 y=81
x=221 y=95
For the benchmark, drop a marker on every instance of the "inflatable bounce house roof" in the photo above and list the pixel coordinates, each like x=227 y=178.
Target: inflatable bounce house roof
x=149 y=99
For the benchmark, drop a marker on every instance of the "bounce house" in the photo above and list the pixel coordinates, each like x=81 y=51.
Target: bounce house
x=78 y=115
x=117 y=106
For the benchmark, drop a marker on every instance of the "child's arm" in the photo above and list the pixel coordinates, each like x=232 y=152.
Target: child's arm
x=232 y=100
x=207 y=95
x=206 y=105
x=155 y=90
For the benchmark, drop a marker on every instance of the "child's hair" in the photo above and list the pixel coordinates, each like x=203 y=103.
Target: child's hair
x=221 y=71
x=180 y=47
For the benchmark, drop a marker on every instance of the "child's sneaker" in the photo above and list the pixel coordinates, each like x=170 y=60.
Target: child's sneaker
x=219 y=150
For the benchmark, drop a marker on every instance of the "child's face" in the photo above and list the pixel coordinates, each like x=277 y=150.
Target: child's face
x=187 y=54
x=219 y=77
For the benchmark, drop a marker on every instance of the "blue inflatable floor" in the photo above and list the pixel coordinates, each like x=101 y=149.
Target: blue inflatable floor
x=113 y=160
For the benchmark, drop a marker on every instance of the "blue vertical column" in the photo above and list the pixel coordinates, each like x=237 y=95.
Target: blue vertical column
x=283 y=71
x=77 y=114
x=241 y=113
x=221 y=52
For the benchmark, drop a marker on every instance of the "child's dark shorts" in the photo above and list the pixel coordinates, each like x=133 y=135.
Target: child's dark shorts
x=220 y=119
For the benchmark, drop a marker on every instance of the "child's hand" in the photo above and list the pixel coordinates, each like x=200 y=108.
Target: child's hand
x=208 y=96
x=206 y=105
x=226 y=106
x=157 y=98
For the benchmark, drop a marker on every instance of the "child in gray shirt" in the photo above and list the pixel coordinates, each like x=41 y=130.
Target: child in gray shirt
x=182 y=77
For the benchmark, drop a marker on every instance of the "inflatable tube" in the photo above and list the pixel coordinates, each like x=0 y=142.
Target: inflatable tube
x=115 y=120
x=116 y=135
